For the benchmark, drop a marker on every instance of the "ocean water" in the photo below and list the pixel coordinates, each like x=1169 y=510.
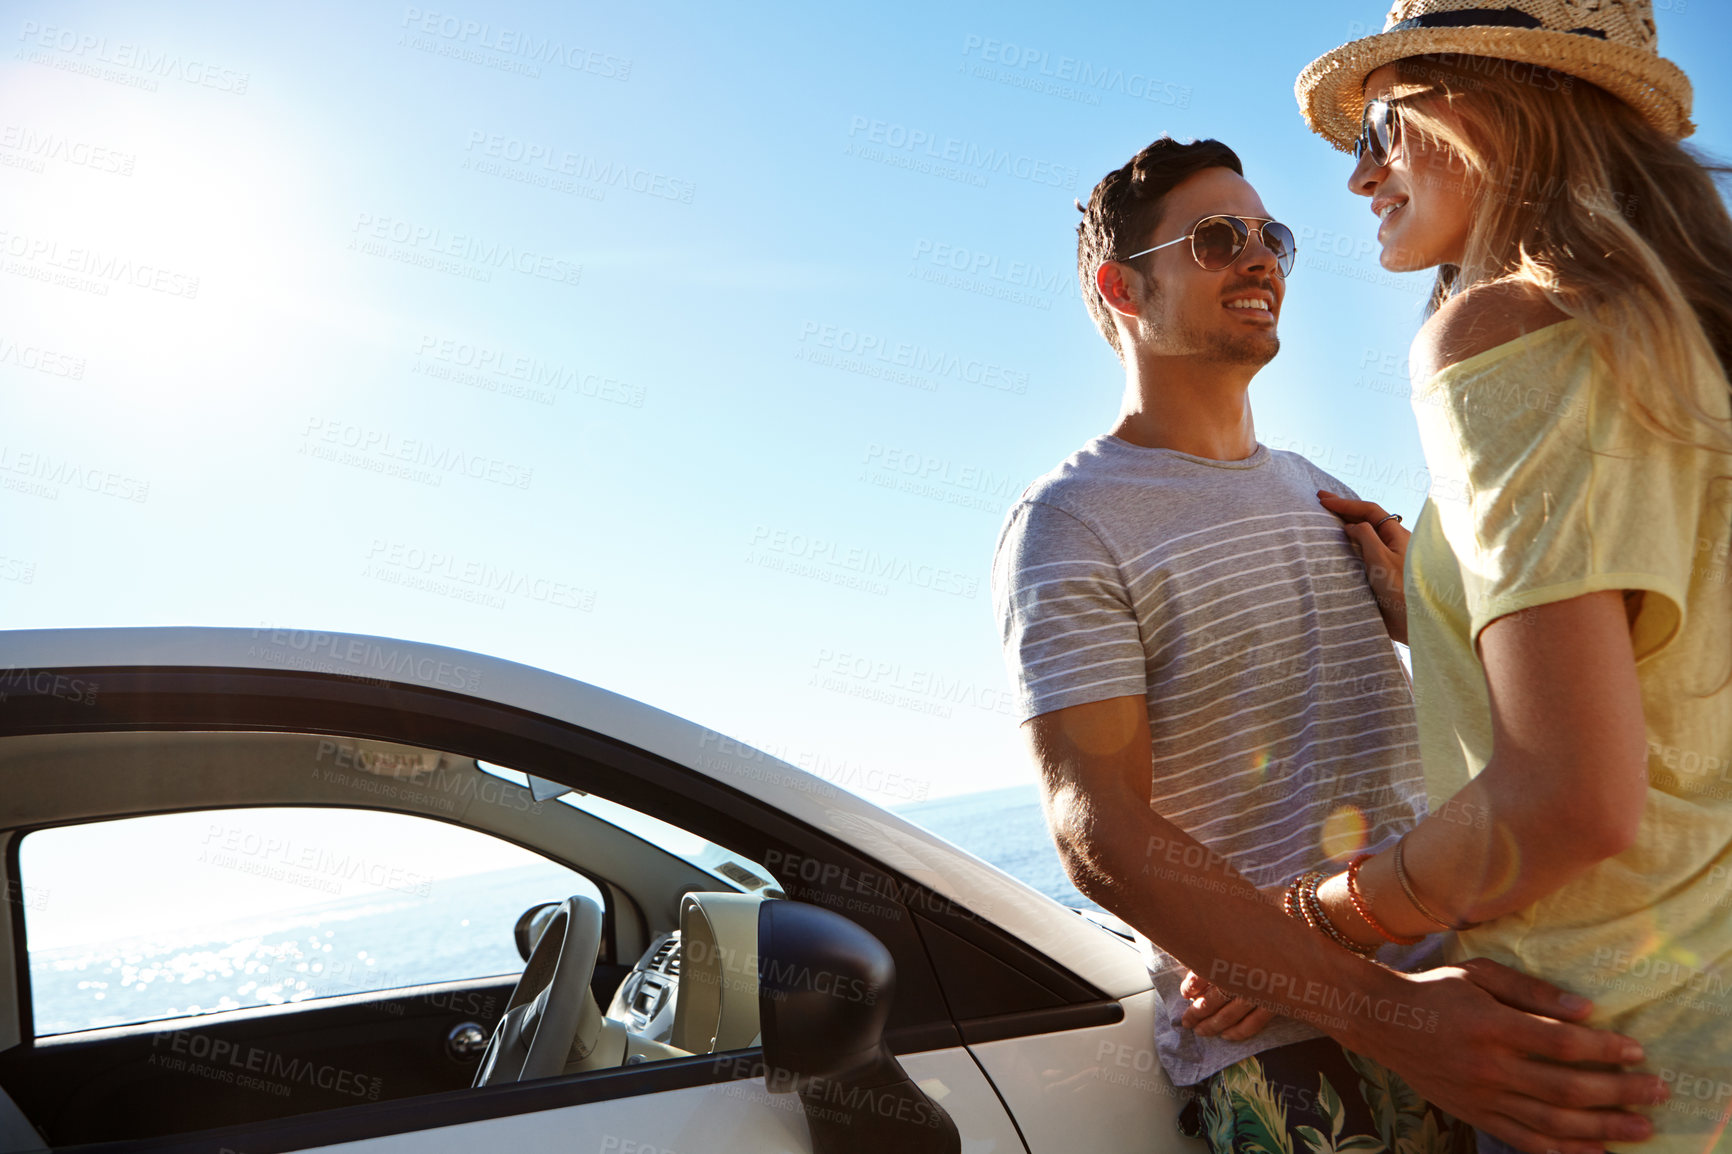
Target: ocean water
x=460 y=928
x=1005 y=828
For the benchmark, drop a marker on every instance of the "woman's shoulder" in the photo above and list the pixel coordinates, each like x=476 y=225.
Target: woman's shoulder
x=1477 y=321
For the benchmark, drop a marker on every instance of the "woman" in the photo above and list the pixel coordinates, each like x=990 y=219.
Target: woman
x=1570 y=617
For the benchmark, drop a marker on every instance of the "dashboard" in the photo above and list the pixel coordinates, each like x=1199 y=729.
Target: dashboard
x=645 y=1000
x=695 y=990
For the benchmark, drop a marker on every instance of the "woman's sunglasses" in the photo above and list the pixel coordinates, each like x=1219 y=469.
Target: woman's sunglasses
x=1379 y=132
x=1217 y=241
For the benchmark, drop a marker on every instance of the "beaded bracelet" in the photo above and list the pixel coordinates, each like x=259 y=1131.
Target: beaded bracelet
x=1314 y=915
x=1290 y=899
x=1293 y=901
x=1407 y=888
x=1364 y=910
x=1301 y=901
x=1321 y=921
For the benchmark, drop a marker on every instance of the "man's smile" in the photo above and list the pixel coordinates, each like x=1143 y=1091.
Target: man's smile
x=1259 y=303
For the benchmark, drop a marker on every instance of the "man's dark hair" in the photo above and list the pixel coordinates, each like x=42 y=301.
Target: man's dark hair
x=1125 y=209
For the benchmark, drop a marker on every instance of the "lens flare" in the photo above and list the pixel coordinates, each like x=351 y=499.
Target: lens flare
x=1344 y=832
x=1497 y=886
x=1260 y=765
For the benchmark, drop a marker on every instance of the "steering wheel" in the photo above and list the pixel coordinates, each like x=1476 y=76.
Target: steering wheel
x=552 y=1021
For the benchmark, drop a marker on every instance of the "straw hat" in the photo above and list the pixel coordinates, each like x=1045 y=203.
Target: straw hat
x=1611 y=43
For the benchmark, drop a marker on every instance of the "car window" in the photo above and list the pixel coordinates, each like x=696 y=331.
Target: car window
x=722 y=863
x=164 y=916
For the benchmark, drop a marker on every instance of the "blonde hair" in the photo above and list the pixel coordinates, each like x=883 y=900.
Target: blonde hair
x=1615 y=223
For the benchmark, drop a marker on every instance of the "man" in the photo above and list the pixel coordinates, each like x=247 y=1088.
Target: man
x=1215 y=706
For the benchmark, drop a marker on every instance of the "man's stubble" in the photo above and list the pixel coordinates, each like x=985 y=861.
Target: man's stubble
x=1255 y=349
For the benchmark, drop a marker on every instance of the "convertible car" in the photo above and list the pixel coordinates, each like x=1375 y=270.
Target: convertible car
x=273 y=890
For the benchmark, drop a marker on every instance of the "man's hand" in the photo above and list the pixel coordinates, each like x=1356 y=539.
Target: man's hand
x=1492 y=1066
x=1214 y=1012
x=1494 y=1047
x=1384 y=551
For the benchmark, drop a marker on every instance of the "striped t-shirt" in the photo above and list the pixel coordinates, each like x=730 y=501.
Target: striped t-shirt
x=1228 y=598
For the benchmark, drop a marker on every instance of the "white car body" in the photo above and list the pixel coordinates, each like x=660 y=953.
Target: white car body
x=1093 y=1087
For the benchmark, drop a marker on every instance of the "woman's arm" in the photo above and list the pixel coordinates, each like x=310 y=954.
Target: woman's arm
x=1567 y=779
x=1563 y=791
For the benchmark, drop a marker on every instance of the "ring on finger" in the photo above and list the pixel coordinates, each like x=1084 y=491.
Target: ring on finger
x=1396 y=517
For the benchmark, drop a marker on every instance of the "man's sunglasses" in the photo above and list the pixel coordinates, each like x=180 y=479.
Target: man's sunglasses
x=1379 y=132
x=1217 y=241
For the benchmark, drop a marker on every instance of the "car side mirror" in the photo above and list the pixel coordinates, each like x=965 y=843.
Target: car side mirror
x=825 y=986
x=531 y=924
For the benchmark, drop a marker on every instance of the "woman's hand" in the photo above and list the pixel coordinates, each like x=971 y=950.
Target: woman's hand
x=1382 y=545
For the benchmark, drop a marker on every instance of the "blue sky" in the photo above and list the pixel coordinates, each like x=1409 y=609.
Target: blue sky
x=629 y=341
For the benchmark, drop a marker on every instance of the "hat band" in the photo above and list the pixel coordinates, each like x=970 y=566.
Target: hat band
x=1483 y=18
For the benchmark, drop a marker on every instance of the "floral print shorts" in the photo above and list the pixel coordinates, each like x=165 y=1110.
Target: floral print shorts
x=1316 y=1098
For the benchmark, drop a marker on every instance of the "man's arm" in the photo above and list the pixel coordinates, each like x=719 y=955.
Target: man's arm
x=1096 y=772
x=1449 y=1031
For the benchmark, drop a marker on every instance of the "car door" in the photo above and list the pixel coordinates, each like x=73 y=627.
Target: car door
x=709 y=1102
